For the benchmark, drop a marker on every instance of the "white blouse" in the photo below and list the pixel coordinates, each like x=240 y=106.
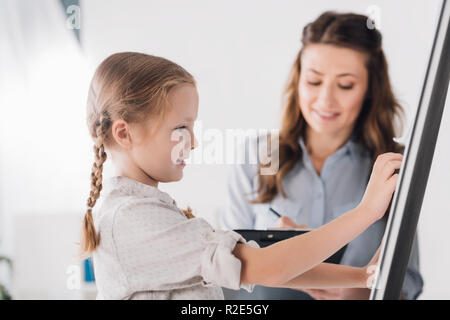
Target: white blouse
x=150 y=250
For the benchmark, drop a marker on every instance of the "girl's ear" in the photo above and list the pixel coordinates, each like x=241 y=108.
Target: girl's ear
x=121 y=133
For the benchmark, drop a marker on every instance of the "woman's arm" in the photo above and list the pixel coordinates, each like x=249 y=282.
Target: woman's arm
x=279 y=263
x=328 y=275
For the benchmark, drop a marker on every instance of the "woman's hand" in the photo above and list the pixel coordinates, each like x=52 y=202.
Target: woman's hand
x=375 y=258
x=372 y=267
x=288 y=223
x=339 y=293
x=381 y=185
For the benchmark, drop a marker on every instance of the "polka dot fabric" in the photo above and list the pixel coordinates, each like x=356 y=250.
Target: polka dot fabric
x=150 y=250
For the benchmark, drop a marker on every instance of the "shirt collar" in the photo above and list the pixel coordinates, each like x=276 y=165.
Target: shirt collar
x=349 y=148
x=127 y=186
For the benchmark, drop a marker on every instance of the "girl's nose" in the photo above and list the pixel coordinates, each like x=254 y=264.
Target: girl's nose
x=194 y=142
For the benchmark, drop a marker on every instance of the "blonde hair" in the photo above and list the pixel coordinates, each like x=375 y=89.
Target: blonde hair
x=133 y=87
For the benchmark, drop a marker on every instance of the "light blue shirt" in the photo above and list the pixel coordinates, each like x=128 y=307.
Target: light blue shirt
x=315 y=200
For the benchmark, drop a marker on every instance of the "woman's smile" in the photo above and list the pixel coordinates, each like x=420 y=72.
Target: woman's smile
x=324 y=115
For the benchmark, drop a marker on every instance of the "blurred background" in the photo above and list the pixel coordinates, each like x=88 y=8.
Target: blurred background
x=240 y=53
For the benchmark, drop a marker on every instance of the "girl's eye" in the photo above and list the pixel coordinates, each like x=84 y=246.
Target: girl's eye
x=181 y=127
x=346 y=87
x=314 y=83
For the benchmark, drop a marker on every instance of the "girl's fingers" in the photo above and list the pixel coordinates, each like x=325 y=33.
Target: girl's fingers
x=385 y=158
x=390 y=167
x=392 y=182
x=393 y=156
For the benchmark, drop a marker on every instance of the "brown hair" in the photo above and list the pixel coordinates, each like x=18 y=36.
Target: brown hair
x=129 y=86
x=374 y=128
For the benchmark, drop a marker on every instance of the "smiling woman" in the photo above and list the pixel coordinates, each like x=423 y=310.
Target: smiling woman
x=332 y=92
x=340 y=113
x=331 y=99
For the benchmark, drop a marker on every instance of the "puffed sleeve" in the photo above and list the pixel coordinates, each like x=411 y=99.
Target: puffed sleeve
x=159 y=249
x=219 y=266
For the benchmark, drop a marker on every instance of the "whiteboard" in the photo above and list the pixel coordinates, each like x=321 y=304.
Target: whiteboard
x=408 y=197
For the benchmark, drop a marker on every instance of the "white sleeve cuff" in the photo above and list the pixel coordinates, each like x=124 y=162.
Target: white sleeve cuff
x=218 y=264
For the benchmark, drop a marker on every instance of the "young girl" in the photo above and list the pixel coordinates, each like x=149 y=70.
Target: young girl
x=144 y=246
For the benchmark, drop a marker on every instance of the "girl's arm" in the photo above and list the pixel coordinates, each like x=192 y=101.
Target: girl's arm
x=283 y=261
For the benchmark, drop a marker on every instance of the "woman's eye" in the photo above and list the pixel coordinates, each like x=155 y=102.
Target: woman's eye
x=346 y=87
x=181 y=127
x=314 y=83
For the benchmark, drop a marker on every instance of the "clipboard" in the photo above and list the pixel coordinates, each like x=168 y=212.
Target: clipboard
x=265 y=238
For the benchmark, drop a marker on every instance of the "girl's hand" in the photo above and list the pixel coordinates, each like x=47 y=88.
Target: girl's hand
x=381 y=185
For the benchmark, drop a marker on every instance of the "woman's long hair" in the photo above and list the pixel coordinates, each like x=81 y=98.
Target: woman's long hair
x=375 y=125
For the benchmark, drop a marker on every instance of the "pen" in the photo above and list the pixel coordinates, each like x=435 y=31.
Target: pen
x=276 y=213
